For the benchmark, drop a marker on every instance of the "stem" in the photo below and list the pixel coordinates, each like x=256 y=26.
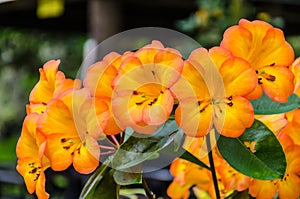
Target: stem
x=149 y=193
x=212 y=166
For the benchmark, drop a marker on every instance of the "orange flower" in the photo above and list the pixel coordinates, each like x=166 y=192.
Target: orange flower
x=265 y=48
x=72 y=126
x=98 y=80
x=228 y=110
x=141 y=96
x=51 y=83
x=292 y=129
x=288 y=187
x=31 y=160
x=187 y=174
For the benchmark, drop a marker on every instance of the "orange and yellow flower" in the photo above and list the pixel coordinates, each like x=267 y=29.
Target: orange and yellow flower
x=72 y=126
x=98 y=80
x=51 y=83
x=31 y=160
x=187 y=174
x=229 y=112
x=265 y=48
x=141 y=96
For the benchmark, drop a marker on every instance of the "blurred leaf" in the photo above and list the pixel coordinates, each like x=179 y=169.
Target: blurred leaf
x=93 y=182
x=139 y=148
x=132 y=193
x=107 y=188
x=183 y=154
x=60 y=181
x=266 y=106
x=8 y=150
x=257 y=153
x=126 y=178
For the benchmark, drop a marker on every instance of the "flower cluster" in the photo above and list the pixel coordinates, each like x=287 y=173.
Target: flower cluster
x=210 y=91
x=265 y=49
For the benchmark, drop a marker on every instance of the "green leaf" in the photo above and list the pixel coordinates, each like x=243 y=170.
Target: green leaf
x=171 y=150
x=139 y=148
x=107 y=188
x=190 y=157
x=126 y=178
x=266 y=106
x=94 y=180
x=263 y=157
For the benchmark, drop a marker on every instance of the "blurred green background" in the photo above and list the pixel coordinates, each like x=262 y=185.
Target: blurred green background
x=35 y=31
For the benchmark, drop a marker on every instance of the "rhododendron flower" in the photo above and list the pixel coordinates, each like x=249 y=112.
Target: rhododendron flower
x=99 y=79
x=288 y=187
x=230 y=113
x=265 y=48
x=187 y=174
x=51 y=83
x=141 y=96
x=72 y=126
x=31 y=160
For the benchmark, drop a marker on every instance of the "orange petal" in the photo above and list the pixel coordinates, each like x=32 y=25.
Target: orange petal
x=219 y=55
x=86 y=158
x=259 y=188
x=58 y=119
x=256 y=93
x=99 y=79
x=160 y=111
x=40 y=187
x=50 y=79
x=191 y=121
x=61 y=158
x=238 y=77
x=281 y=86
x=296 y=71
x=204 y=64
x=238 y=117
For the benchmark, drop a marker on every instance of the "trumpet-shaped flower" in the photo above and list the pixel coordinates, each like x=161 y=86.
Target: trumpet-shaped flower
x=98 y=80
x=265 y=48
x=141 y=96
x=31 y=160
x=72 y=126
x=230 y=112
x=51 y=83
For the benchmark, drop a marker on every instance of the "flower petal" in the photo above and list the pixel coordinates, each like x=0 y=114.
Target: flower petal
x=279 y=87
x=238 y=76
x=239 y=116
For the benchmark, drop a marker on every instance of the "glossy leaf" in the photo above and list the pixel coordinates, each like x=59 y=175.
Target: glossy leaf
x=257 y=153
x=171 y=150
x=266 y=106
x=139 y=148
x=107 y=188
x=126 y=178
x=90 y=186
